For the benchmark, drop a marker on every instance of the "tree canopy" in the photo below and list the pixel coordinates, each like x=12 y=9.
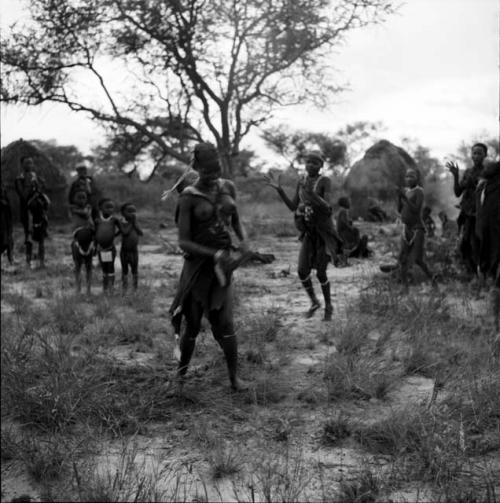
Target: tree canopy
x=166 y=73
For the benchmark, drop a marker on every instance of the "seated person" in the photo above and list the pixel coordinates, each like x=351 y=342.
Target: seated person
x=354 y=244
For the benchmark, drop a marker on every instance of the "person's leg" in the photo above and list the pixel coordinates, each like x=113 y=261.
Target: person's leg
x=25 y=220
x=221 y=322
x=419 y=252
x=41 y=252
x=466 y=251
x=77 y=261
x=403 y=260
x=104 y=269
x=325 y=285
x=124 y=264
x=88 y=272
x=193 y=312
x=111 y=274
x=304 y=271
x=134 y=268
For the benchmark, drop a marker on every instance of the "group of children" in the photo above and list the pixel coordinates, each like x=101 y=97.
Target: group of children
x=96 y=236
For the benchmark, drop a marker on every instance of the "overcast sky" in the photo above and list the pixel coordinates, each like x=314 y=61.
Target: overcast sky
x=430 y=72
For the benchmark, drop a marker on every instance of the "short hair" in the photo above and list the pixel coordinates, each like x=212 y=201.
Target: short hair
x=104 y=200
x=315 y=154
x=344 y=202
x=81 y=167
x=124 y=206
x=205 y=154
x=427 y=209
x=481 y=145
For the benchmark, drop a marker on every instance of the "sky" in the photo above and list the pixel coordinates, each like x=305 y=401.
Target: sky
x=430 y=73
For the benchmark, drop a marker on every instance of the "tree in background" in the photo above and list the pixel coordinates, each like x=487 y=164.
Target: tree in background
x=170 y=73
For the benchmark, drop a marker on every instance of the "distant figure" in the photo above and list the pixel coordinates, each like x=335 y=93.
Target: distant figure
x=375 y=212
x=38 y=206
x=82 y=246
x=449 y=228
x=129 y=253
x=321 y=243
x=23 y=185
x=488 y=229
x=7 y=244
x=106 y=228
x=410 y=203
x=466 y=188
x=86 y=183
x=430 y=225
x=354 y=244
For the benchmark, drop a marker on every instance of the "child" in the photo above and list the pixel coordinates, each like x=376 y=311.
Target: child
x=106 y=228
x=82 y=246
x=355 y=245
x=410 y=203
x=38 y=205
x=129 y=255
x=430 y=226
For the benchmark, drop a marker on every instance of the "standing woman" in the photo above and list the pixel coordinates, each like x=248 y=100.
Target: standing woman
x=320 y=242
x=205 y=214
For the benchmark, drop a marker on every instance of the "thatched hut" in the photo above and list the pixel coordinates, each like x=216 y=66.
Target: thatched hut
x=55 y=181
x=377 y=174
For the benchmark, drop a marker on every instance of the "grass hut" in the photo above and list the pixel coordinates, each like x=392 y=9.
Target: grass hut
x=55 y=181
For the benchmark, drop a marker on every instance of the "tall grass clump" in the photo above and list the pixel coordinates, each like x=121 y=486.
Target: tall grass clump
x=282 y=475
x=69 y=317
x=130 y=476
x=428 y=445
x=348 y=376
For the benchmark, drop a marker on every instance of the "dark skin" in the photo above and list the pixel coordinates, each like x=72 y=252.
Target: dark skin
x=130 y=215
x=318 y=191
x=83 y=210
x=414 y=201
x=313 y=167
x=477 y=155
x=197 y=208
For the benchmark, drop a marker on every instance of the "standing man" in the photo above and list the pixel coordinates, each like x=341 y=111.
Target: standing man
x=466 y=187
x=313 y=218
x=84 y=182
x=23 y=185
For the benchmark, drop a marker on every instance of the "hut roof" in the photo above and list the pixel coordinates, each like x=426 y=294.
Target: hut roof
x=11 y=165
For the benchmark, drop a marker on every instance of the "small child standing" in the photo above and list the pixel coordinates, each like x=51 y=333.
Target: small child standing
x=129 y=254
x=410 y=204
x=38 y=205
x=107 y=228
x=83 y=238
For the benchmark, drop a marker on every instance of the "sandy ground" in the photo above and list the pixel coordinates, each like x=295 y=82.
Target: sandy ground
x=304 y=345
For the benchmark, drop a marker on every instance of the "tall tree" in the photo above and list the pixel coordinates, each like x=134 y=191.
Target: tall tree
x=208 y=68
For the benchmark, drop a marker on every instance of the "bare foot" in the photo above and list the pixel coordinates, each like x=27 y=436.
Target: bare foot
x=328 y=313
x=238 y=385
x=314 y=307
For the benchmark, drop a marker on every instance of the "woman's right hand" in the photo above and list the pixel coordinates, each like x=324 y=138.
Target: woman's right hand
x=272 y=182
x=452 y=168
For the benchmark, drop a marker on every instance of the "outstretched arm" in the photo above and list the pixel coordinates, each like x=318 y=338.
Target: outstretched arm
x=453 y=169
x=292 y=204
